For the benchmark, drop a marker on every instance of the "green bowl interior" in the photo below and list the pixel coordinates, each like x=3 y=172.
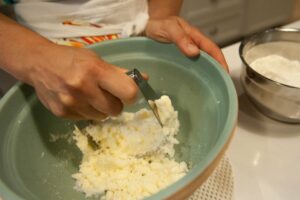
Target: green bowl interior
x=38 y=157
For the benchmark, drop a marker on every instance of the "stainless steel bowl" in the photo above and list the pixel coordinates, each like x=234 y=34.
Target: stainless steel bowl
x=274 y=99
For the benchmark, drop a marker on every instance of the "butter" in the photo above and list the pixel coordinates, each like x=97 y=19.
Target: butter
x=120 y=168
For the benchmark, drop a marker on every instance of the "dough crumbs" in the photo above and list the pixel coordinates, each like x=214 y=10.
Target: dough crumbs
x=129 y=164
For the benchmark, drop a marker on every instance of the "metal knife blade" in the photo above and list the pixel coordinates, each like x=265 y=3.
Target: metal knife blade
x=149 y=94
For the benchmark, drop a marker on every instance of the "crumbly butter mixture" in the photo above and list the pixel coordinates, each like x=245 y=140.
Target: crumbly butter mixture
x=135 y=158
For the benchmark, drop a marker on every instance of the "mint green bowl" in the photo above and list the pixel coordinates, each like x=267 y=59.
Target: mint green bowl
x=34 y=167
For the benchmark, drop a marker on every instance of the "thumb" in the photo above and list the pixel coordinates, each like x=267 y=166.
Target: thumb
x=190 y=49
x=183 y=41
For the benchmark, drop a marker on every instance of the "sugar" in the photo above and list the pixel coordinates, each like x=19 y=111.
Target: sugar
x=278 y=68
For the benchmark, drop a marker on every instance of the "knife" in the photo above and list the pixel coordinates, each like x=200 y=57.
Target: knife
x=147 y=91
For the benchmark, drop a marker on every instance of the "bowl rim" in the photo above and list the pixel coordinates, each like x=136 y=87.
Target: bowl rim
x=10 y=194
x=170 y=191
x=246 y=40
x=197 y=170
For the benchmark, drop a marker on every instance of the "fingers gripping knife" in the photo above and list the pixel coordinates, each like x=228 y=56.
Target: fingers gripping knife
x=147 y=91
x=149 y=95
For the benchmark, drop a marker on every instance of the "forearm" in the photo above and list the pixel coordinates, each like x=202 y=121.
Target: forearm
x=20 y=48
x=159 y=9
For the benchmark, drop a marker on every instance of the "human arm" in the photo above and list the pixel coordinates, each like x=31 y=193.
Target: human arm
x=164 y=25
x=70 y=82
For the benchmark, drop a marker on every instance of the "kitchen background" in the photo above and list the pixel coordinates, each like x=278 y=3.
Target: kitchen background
x=225 y=22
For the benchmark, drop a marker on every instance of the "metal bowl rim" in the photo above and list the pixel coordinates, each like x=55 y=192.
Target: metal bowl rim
x=250 y=38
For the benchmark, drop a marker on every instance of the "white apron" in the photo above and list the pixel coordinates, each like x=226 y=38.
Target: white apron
x=77 y=18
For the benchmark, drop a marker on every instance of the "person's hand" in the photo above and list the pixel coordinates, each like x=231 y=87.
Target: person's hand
x=75 y=83
x=70 y=82
x=188 y=38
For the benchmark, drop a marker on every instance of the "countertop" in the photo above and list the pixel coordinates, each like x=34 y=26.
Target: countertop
x=264 y=153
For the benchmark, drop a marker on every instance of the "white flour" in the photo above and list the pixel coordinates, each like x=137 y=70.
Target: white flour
x=279 y=69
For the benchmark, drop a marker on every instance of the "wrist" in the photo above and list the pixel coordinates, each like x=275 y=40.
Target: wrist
x=37 y=59
x=27 y=60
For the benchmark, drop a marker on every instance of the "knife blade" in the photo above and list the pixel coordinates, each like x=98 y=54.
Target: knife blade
x=149 y=94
